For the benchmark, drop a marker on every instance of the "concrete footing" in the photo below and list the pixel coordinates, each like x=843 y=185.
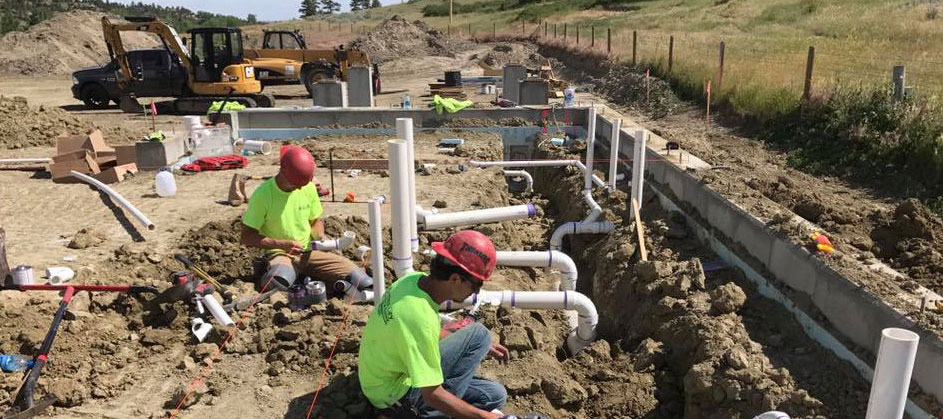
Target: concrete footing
x=533 y=91
x=330 y=94
x=360 y=87
x=510 y=84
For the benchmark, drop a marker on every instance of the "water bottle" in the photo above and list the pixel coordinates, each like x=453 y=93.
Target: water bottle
x=15 y=363
x=569 y=96
x=165 y=183
x=407 y=102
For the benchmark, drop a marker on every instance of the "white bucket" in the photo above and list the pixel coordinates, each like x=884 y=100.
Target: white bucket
x=23 y=275
x=255 y=146
x=192 y=122
x=59 y=274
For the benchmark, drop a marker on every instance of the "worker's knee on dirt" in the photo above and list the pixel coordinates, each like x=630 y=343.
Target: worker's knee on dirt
x=279 y=276
x=486 y=394
x=360 y=279
x=477 y=340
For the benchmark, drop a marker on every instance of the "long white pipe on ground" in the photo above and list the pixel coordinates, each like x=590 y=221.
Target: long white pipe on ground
x=540 y=163
x=638 y=167
x=475 y=217
x=400 y=208
x=404 y=131
x=335 y=244
x=376 y=250
x=614 y=152
x=590 y=146
x=523 y=174
x=117 y=197
x=588 y=318
x=892 y=370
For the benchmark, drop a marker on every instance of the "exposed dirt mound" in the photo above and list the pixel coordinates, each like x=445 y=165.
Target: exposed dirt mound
x=512 y=53
x=25 y=126
x=397 y=37
x=67 y=42
x=627 y=85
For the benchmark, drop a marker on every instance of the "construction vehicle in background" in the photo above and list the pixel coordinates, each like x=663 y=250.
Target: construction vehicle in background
x=213 y=70
x=285 y=59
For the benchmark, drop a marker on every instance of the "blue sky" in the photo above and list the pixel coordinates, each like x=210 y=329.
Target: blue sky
x=263 y=9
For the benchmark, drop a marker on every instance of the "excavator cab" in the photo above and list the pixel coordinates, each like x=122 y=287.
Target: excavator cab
x=214 y=49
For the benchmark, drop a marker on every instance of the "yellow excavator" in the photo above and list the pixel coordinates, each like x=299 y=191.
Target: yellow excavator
x=285 y=59
x=214 y=70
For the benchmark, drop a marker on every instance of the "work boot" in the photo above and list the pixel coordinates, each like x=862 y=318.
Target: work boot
x=360 y=279
x=280 y=277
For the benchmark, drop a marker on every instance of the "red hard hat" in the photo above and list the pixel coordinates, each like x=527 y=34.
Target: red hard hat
x=297 y=165
x=472 y=251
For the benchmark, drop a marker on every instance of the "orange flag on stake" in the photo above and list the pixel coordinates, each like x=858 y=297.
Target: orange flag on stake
x=153 y=108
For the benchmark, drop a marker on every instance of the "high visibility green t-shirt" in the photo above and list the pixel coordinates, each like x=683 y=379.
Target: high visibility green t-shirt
x=283 y=215
x=400 y=345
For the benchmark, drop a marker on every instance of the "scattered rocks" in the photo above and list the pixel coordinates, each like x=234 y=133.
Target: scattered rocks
x=87 y=237
x=727 y=298
x=439 y=203
x=562 y=391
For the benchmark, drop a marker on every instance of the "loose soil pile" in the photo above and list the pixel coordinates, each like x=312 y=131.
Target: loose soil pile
x=511 y=53
x=397 y=37
x=22 y=125
x=65 y=43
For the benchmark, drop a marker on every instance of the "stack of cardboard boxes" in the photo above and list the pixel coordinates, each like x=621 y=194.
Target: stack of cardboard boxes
x=88 y=154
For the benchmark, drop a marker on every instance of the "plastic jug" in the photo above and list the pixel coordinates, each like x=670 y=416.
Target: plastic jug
x=165 y=183
x=569 y=97
x=407 y=102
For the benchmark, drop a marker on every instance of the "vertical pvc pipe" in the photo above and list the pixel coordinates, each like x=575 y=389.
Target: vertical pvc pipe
x=638 y=165
x=399 y=203
x=404 y=131
x=892 y=372
x=376 y=251
x=614 y=152
x=590 y=146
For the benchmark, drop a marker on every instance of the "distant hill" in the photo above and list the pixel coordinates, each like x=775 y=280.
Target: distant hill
x=19 y=15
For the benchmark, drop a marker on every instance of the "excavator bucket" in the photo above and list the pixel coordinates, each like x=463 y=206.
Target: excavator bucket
x=130 y=104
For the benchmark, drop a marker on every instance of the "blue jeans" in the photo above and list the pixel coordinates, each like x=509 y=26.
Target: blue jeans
x=461 y=354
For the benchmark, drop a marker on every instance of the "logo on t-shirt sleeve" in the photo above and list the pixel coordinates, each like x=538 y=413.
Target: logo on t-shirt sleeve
x=386 y=309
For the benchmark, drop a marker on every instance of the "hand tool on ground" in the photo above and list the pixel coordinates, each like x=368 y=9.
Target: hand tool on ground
x=244 y=303
x=227 y=296
x=184 y=286
x=23 y=405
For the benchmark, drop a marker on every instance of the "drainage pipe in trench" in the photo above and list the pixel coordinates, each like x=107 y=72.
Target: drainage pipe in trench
x=523 y=174
x=552 y=259
x=376 y=250
x=590 y=148
x=588 y=317
x=540 y=163
x=589 y=225
x=475 y=217
x=400 y=207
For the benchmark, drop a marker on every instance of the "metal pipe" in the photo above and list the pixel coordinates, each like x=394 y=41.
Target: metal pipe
x=117 y=197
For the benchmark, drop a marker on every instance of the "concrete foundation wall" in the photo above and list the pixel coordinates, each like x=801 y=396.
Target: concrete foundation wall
x=852 y=311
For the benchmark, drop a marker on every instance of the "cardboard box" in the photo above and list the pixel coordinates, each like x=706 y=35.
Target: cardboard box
x=67 y=143
x=116 y=174
x=96 y=143
x=80 y=154
x=62 y=171
x=125 y=154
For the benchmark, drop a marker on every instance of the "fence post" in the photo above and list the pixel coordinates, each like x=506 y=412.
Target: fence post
x=522 y=27
x=469 y=30
x=608 y=40
x=565 y=38
x=720 y=67
x=450 y=12
x=494 y=30
x=351 y=28
x=899 y=77
x=671 y=52
x=634 y=47
x=450 y=29
x=545 y=29
x=807 y=89
x=592 y=43
x=577 y=34
x=554 y=30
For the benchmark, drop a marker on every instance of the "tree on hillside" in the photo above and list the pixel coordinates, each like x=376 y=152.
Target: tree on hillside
x=330 y=6
x=359 y=4
x=309 y=8
x=250 y=18
x=375 y=3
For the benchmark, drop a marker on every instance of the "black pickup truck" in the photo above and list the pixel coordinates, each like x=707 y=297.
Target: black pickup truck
x=158 y=73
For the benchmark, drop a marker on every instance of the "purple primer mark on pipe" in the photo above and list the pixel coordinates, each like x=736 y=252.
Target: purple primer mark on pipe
x=565 y=299
x=574 y=224
x=406 y=258
x=550 y=259
x=531 y=211
x=513 y=298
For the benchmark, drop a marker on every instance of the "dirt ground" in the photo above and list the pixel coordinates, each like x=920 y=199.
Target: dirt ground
x=680 y=337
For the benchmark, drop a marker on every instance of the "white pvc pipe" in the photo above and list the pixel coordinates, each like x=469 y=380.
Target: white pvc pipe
x=335 y=244
x=117 y=197
x=400 y=208
x=483 y=216
x=614 y=152
x=588 y=318
x=217 y=310
x=404 y=131
x=892 y=370
x=522 y=173
x=578 y=227
x=552 y=259
x=256 y=146
x=594 y=209
x=540 y=163
x=376 y=250
x=638 y=167
x=590 y=146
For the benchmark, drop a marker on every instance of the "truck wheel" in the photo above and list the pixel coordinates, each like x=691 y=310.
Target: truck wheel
x=95 y=96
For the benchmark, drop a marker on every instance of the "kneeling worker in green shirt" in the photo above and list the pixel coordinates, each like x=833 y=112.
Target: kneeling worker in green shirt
x=283 y=216
x=404 y=368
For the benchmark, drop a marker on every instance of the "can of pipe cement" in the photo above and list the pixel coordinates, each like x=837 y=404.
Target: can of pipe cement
x=23 y=275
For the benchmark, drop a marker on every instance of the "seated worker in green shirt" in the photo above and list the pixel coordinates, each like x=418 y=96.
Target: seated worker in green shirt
x=283 y=216
x=404 y=368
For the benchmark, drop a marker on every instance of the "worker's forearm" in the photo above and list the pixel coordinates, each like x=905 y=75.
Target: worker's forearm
x=452 y=406
x=253 y=238
x=317 y=229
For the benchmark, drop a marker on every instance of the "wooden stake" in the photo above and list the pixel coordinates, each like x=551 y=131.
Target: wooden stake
x=608 y=40
x=592 y=43
x=720 y=66
x=671 y=52
x=810 y=62
x=494 y=30
x=640 y=229
x=577 y=34
x=707 y=118
x=634 y=47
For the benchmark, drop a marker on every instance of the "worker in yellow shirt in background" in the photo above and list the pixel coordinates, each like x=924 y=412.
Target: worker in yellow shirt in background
x=404 y=368
x=283 y=216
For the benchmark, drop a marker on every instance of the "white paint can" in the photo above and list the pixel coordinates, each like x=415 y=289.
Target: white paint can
x=23 y=275
x=263 y=147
